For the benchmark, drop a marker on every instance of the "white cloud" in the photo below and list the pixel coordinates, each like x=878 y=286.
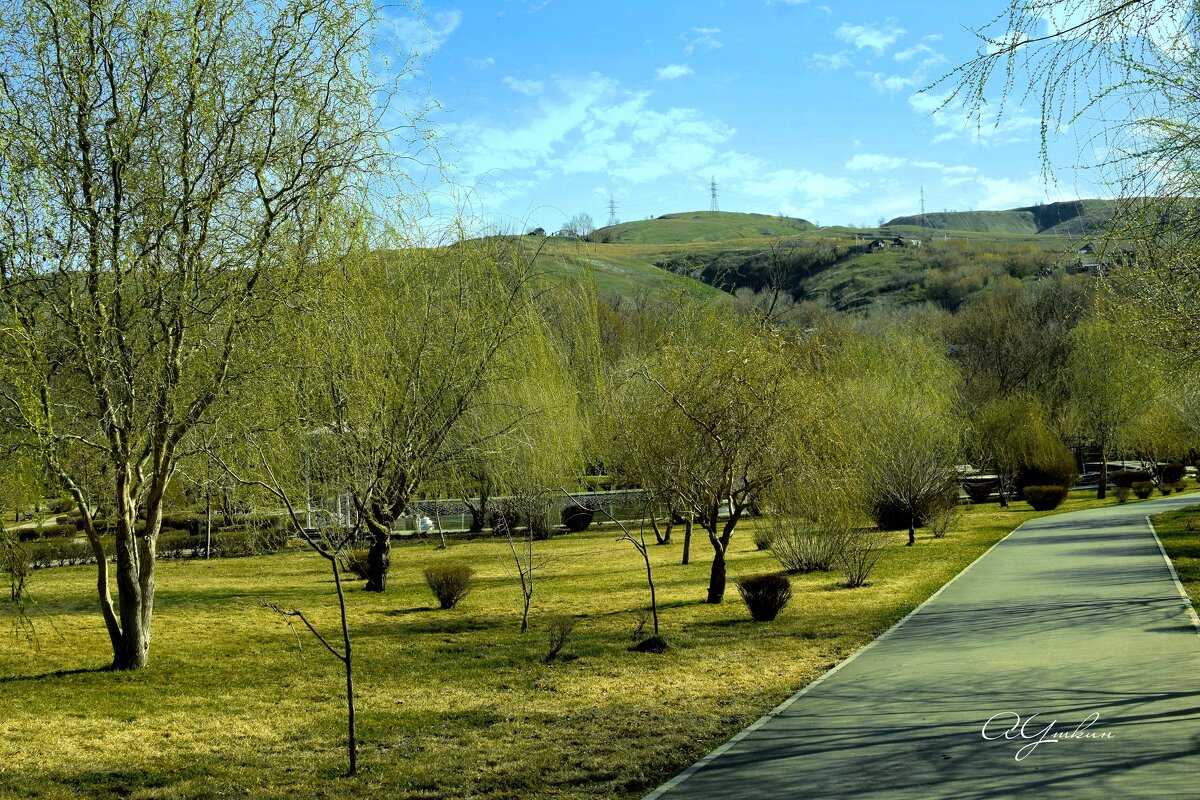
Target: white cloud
x=702 y=37
x=423 y=36
x=890 y=84
x=830 y=62
x=672 y=71
x=956 y=122
x=481 y=63
x=528 y=88
x=1003 y=193
x=878 y=38
x=826 y=9
x=916 y=50
x=874 y=162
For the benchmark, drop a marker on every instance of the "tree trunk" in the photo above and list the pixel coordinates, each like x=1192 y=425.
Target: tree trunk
x=135 y=555
x=687 y=539
x=379 y=557
x=716 y=579
x=912 y=531
x=1102 y=484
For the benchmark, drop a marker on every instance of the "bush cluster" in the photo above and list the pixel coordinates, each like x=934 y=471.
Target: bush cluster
x=1128 y=477
x=765 y=595
x=1045 y=498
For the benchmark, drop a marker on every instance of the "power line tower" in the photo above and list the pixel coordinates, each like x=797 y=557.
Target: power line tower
x=712 y=190
x=922 y=206
x=612 y=211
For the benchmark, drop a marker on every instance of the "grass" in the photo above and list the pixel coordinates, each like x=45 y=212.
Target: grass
x=451 y=703
x=1179 y=532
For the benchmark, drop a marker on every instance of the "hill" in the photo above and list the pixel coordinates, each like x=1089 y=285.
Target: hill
x=703 y=226
x=1071 y=218
x=714 y=254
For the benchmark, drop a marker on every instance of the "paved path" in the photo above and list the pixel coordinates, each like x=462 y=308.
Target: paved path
x=1070 y=617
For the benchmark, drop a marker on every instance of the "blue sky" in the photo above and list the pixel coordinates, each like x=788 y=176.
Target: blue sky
x=808 y=108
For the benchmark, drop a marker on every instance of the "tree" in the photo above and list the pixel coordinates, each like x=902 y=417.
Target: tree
x=721 y=411
x=1009 y=433
x=1127 y=68
x=423 y=367
x=581 y=225
x=170 y=172
x=902 y=393
x=1110 y=387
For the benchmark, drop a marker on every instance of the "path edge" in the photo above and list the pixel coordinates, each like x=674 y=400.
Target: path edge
x=1187 y=601
x=779 y=709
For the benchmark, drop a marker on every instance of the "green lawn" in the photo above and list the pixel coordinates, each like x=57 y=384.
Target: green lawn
x=451 y=703
x=1179 y=532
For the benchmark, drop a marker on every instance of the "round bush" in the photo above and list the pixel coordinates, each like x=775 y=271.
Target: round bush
x=1171 y=474
x=1053 y=466
x=1142 y=489
x=576 y=518
x=765 y=595
x=1045 y=498
x=449 y=582
x=1128 y=477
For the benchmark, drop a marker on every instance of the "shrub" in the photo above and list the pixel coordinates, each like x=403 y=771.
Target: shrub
x=891 y=515
x=943 y=521
x=862 y=551
x=504 y=518
x=356 y=563
x=1054 y=465
x=192 y=523
x=1180 y=485
x=1045 y=498
x=1122 y=493
x=765 y=595
x=763 y=538
x=1142 y=489
x=1128 y=477
x=576 y=518
x=1165 y=488
x=806 y=544
x=1172 y=473
x=178 y=544
x=980 y=490
x=60 y=505
x=56 y=531
x=559 y=630
x=449 y=582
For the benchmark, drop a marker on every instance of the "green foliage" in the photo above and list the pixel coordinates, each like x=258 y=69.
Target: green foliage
x=765 y=595
x=1044 y=498
x=1122 y=493
x=1172 y=473
x=450 y=583
x=1048 y=462
x=1143 y=489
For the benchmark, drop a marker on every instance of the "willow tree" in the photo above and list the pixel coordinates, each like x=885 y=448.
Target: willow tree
x=721 y=411
x=423 y=365
x=901 y=392
x=1122 y=75
x=169 y=172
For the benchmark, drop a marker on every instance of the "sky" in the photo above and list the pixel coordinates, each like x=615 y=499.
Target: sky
x=809 y=108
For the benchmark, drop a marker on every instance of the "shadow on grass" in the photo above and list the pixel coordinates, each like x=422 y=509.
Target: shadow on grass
x=62 y=673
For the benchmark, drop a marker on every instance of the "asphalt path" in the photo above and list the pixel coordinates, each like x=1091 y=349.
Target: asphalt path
x=1065 y=662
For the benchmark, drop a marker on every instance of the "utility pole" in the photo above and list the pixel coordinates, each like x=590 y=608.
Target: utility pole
x=922 y=206
x=612 y=211
x=713 y=191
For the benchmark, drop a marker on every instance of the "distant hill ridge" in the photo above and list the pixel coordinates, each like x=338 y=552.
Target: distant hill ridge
x=1070 y=218
x=704 y=226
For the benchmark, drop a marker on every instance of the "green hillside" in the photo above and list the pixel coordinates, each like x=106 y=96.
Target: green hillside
x=1072 y=218
x=714 y=253
x=704 y=226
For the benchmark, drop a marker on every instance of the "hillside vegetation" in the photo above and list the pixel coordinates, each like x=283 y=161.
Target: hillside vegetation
x=833 y=267
x=1072 y=218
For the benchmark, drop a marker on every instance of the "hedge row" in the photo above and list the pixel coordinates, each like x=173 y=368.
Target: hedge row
x=178 y=544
